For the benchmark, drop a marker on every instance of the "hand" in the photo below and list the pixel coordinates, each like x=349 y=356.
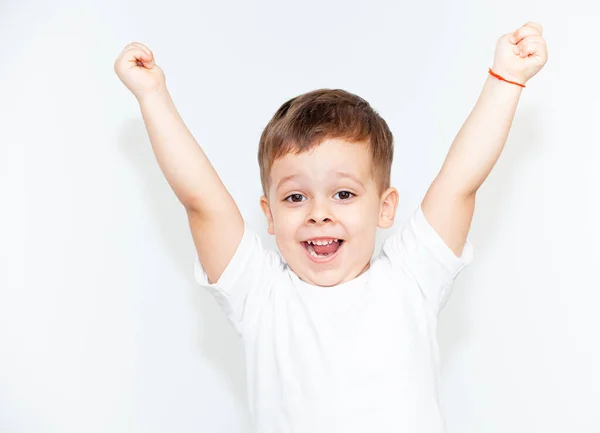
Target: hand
x=521 y=54
x=135 y=67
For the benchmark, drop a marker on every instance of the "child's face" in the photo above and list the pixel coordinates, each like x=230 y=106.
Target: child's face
x=327 y=193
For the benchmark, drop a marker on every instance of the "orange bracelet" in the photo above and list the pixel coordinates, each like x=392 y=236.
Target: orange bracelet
x=492 y=73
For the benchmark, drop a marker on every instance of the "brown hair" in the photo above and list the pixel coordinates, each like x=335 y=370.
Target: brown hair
x=306 y=120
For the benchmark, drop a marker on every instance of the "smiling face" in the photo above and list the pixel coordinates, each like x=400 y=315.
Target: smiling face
x=324 y=209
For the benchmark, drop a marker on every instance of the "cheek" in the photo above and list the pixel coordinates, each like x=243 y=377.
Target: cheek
x=359 y=218
x=286 y=221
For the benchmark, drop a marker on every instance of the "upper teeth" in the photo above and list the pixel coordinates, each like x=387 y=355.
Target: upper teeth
x=322 y=242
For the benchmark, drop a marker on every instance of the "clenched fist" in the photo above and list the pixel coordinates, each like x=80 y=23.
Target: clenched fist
x=136 y=68
x=521 y=54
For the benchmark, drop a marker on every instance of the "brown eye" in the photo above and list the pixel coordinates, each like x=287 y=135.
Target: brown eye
x=345 y=195
x=295 y=198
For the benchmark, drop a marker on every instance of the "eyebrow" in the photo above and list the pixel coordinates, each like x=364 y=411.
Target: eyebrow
x=338 y=174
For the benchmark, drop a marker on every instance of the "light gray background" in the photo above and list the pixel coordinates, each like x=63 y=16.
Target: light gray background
x=102 y=327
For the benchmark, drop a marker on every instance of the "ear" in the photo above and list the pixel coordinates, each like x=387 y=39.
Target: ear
x=387 y=207
x=264 y=204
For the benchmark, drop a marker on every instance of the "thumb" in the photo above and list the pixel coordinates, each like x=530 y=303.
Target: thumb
x=146 y=61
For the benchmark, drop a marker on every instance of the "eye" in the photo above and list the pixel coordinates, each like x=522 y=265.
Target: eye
x=345 y=195
x=295 y=198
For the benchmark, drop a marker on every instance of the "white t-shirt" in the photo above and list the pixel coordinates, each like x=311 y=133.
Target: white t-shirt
x=359 y=357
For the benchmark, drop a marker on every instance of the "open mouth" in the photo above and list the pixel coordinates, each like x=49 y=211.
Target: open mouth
x=322 y=250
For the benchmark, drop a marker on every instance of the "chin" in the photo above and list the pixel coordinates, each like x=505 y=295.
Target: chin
x=323 y=279
x=325 y=271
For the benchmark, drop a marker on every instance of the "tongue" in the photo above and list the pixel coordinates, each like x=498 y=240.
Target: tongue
x=326 y=249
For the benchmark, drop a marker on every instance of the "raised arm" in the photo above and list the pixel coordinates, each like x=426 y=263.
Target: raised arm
x=450 y=200
x=215 y=220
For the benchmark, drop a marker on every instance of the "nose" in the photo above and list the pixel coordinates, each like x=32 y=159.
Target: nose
x=319 y=213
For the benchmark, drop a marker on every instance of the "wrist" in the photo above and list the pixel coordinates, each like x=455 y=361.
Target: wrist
x=501 y=89
x=508 y=77
x=158 y=94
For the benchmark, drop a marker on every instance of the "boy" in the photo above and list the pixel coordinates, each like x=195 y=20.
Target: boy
x=336 y=340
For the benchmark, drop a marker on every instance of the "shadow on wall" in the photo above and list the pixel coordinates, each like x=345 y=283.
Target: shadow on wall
x=217 y=341
x=488 y=222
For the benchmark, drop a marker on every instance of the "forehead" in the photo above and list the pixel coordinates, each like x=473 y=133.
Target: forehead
x=323 y=161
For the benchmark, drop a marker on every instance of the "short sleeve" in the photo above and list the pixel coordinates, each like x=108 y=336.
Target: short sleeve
x=244 y=286
x=423 y=254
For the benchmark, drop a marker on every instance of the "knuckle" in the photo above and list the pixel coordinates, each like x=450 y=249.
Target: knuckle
x=535 y=26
